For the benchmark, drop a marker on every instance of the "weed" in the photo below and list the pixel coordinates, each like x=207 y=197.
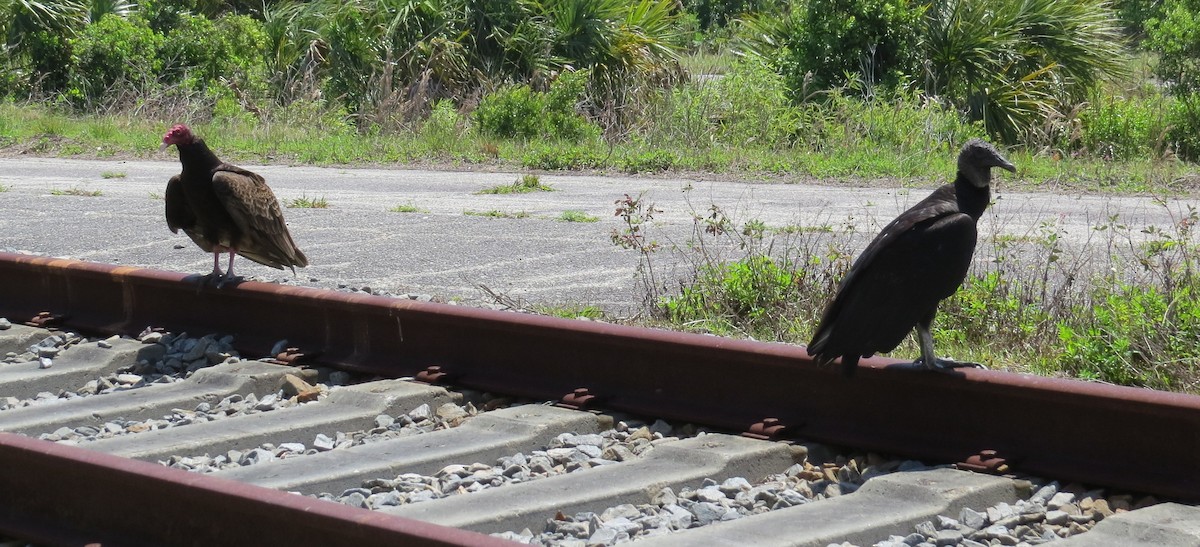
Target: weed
x=577 y=216
x=800 y=229
x=496 y=214
x=649 y=161
x=571 y=311
x=636 y=215
x=112 y=175
x=304 y=202
x=754 y=295
x=523 y=185
x=75 y=191
x=557 y=156
x=408 y=208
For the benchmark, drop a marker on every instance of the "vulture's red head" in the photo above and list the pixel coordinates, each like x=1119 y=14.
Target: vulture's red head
x=180 y=134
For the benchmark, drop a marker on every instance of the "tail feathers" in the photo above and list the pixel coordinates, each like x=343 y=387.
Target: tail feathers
x=274 y=253
x=849 y=365
x=821 y=357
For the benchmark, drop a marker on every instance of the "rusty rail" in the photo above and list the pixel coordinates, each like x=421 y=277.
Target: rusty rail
x=1135 y=439
x=54 y=494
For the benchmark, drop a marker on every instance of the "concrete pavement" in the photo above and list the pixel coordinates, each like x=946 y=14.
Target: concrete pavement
x=357 y=242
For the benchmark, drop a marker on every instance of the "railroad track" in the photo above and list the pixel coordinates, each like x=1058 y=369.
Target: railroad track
x=454 y=423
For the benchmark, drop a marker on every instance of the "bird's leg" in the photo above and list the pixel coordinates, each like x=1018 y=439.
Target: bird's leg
x=928 y=359
x=216 y=275
x=229 y=271
x=217 y=265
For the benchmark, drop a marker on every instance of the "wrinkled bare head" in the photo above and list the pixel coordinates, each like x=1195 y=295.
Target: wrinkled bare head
x=179 y=134
x=977 y=159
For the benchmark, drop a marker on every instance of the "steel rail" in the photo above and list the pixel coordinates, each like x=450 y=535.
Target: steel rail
x=54 y=494
x=1126 y=438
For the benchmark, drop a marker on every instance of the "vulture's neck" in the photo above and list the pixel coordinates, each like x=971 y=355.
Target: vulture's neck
x=196 y=157
x=972 y=199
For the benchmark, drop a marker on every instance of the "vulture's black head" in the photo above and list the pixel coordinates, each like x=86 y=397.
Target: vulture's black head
x=179 y=134
x=977 y=159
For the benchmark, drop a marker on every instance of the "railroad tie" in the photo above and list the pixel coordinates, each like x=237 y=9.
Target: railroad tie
x=886 y=505
x=346 y=408
x=671 y=464
x=481 y=438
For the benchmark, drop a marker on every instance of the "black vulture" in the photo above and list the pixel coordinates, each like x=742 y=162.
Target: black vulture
x=224 y=208
x=918 y=259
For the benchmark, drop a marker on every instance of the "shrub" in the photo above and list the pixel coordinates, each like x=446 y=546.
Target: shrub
x=444 y=128
x=1176 y=38
x=718 y=13
x=751 y=293
x=223 y=55
x=755 y=107
x=51 y=55
x=562 y=120
x=1184 y=134
x=510 y=112
x=828 y=41
x=113 y=51
x=1121 y=128
x=519 y=112
x=1130 y=329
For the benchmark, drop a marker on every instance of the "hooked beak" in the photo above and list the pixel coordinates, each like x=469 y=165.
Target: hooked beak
x=163 y=147
x=1007 y=165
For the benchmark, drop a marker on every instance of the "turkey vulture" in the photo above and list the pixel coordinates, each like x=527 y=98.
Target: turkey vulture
x=918 y=259
x=225 y=208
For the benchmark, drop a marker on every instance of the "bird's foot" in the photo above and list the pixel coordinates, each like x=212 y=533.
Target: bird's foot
x=229 y=279
x=945 y=363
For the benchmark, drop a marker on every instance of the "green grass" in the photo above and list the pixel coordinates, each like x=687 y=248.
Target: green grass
x=577 y=216
x=408 y=208
x=112 y=175
x=708 y=63
x=909 y=154
x=75 y=191
x=305 y=202
x=523 y=185
x=4 y=188
x=571 y=311
x=496 y=214
x=801 y=229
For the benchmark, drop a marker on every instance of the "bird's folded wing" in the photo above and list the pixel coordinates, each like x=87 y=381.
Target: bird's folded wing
x=179 y=212
x=249 y=201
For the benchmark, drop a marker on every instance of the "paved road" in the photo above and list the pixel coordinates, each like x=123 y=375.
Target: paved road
x=357 y=242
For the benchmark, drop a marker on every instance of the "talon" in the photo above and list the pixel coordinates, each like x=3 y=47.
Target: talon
x=942 y=363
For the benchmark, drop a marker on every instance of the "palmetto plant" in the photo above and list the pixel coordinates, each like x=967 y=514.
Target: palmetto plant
x=399 y=56
x=33 y=42
x=21 y=18
x=1013 y=63
x=1010 y=63
x=99 y=8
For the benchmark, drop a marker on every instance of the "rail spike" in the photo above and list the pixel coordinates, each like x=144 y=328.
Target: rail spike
x=580 y=399
x=769 y=429
x=291 y=356
x=433 y=374
x=986 y=461
x=46 y=320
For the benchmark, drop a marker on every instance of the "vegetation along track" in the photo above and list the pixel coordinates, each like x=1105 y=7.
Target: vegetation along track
x=109 y=488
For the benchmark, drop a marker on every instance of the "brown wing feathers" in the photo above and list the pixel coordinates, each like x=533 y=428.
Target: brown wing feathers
x=255 y=210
